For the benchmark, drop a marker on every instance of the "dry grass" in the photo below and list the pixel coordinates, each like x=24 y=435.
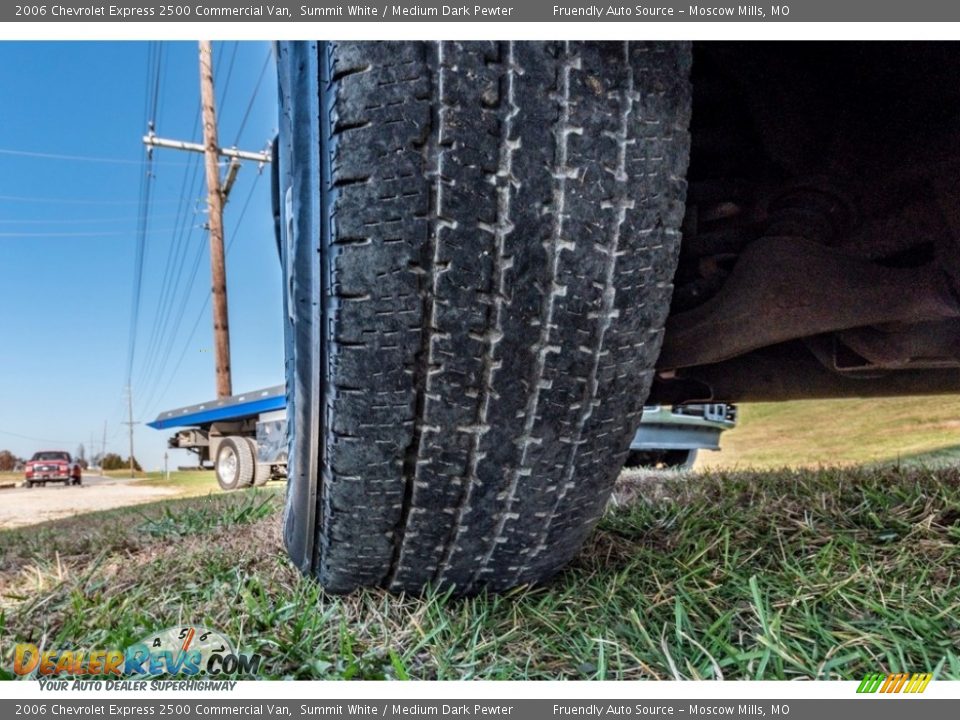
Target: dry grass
x=809 y=433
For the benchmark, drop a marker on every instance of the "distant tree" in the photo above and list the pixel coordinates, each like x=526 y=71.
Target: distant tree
x=8 y=461
x=81 y=454
x=112 y=461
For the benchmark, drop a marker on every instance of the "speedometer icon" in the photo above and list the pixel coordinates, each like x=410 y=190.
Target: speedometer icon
x=183 y=649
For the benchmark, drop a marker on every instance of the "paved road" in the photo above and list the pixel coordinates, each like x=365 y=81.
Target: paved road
x=26 y=506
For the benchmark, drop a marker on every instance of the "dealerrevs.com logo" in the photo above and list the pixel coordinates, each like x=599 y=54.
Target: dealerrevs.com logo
x=184 y=651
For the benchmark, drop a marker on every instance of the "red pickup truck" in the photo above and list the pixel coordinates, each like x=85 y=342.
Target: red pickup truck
x=52 y=466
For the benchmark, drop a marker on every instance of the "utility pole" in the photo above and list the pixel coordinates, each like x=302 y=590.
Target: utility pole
x=130 y=423
x=218 y=271
x=103 y=447
x=217 y=195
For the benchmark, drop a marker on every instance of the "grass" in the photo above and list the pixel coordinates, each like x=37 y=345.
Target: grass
x=808 y=433
x=187 y=483
x=829 y=573
x=122 y=473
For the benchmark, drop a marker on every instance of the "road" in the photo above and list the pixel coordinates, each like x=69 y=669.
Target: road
x=21 y=506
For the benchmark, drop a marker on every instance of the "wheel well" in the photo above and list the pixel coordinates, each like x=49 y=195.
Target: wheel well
x=821 y=224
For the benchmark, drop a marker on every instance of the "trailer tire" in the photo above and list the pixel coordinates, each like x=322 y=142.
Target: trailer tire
x=261 y=475
x=234 y=466
x=261 y=471
x=479 y=243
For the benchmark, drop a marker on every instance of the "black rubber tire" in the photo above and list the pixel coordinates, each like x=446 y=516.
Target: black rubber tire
x=239 y=476
x=498 y=228
x=261 y=472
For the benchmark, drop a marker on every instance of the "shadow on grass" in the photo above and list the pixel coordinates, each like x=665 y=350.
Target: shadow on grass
x=940 y=458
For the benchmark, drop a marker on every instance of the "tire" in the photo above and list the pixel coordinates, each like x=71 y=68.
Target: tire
x=469 y=352
x=261 y=475
x=261 y=471
x=234 y=466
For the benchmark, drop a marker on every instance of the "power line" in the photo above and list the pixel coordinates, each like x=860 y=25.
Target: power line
x=181 y=311
x=156 y=115
x=168 y=346
x=253 y=97
x=78 y=201
x=176 y=368
x=107 y=233
x=169 y=290
x=78 y=158
x=36 y=439
x=226 y=83
x=146 y=180
x=203 y=309
x=80 y=221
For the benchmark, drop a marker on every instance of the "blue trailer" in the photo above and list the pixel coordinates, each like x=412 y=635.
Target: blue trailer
x=242 y=437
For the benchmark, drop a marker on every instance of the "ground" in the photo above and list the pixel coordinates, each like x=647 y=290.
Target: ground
x=847 y=566
x=827 y=574
x=26 y=506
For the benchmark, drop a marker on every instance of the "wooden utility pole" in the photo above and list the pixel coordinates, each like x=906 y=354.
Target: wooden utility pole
x=221 y=325
x=130 y=422
x=217 y=194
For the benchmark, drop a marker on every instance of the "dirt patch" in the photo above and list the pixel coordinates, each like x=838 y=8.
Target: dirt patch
x=27 y=506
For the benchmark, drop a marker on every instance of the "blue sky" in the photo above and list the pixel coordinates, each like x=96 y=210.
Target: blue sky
x=68 y=239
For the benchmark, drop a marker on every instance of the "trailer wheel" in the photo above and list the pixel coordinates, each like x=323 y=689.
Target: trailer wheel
x=234 y=463
x=479 y=242
x=261 y=471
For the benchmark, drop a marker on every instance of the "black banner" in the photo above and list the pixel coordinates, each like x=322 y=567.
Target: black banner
x=185 y=708
x=484 y=11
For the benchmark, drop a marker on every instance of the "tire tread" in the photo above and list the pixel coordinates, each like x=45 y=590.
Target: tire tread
x=504 y=227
